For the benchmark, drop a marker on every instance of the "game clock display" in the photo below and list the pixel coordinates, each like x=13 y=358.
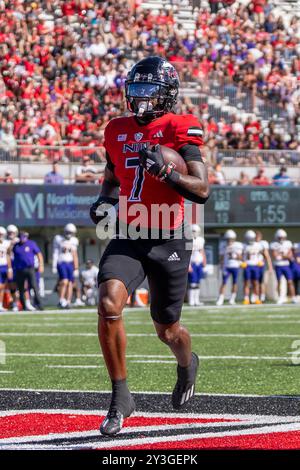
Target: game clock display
x=261 y=206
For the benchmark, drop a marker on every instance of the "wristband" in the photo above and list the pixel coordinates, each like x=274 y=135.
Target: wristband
x=166 y=171
x=172 y=177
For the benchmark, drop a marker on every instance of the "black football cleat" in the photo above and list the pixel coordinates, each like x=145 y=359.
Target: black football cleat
x=185 y=386
x=113 y=422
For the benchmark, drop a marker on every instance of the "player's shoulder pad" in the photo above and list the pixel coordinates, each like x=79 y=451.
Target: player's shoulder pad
x=57 y=239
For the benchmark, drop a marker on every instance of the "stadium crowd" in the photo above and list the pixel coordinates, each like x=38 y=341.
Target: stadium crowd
x=64 y=63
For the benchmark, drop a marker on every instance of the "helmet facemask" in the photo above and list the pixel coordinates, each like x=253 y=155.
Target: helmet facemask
x=148 y=100
x=68 y=235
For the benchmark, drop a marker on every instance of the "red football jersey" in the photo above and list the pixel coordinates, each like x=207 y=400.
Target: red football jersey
x=124 y=137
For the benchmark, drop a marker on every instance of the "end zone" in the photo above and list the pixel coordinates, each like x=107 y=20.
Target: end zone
x=70 y=420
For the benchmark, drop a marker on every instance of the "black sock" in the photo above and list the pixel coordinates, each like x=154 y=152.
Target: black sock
x=120 y=395
x=119 y=386
x=187 y=373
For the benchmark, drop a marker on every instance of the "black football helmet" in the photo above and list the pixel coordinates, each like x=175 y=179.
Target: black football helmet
x=151 y=88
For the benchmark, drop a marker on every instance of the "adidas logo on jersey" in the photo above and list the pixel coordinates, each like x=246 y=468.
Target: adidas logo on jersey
x=174 y=257
x=158 y=134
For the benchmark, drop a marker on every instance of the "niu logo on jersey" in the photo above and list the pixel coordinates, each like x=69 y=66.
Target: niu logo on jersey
x=135 y=147
x=138 y=136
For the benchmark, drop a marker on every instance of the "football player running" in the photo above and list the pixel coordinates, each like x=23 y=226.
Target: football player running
x=65 y=263
x=196 y=272
x=282 y=253
x=230 y=260
x=136 y=172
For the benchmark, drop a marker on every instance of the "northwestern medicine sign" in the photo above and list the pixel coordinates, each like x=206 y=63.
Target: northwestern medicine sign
x=46 y=205
x=55 y=205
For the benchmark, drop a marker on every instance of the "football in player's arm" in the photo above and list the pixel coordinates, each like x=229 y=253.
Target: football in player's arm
x=136 y=171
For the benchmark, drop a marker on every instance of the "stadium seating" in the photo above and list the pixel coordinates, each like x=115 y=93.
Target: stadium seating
x=52 y=93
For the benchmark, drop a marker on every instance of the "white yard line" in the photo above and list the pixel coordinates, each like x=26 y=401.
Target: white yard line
x=146 y=392
x=150 y=324
x=196 y=335
x=210 y=308
x=167 y=358
x=80 y=366
x=245 y=358
x=7 y=372
x=146 y=358
x=155 y=356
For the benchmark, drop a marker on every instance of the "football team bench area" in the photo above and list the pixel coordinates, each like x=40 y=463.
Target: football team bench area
x=55 y=388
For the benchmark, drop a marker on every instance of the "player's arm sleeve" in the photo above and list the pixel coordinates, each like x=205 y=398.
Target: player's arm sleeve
x=190 y=153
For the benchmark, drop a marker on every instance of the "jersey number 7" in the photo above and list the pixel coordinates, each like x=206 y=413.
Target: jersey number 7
x=134 y=162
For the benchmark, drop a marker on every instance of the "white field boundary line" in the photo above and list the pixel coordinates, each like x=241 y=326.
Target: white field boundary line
x=7 y=372
x=150 y=324
x=144 y=358
x=80 y=366
x=145 y=335
x=222 y=358
x=233 y=418
x=102 y=444
x=136 y=356
x=173 y=361
x=138 y=309
x=146 y=392
x=236 y=418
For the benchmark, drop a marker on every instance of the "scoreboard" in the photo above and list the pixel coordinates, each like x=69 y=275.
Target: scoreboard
x=252 y=206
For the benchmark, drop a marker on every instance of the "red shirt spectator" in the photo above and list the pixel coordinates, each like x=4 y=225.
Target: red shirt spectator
x=261 y=179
